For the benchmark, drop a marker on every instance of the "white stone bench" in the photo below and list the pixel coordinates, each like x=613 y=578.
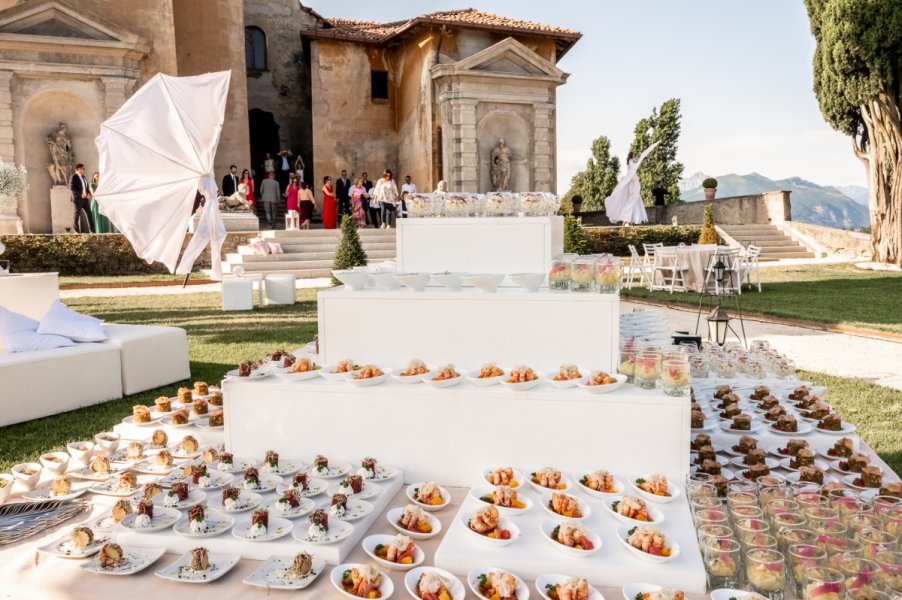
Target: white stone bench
x=151 y=355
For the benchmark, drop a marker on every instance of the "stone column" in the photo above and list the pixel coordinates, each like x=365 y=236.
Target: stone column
x=117 y=91
x=464 y=162
x=9 y=206
x=544 y=148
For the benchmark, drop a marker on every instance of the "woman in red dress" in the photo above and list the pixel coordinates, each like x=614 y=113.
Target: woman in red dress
x=291 y=195
x=247 y=180
x=330 y=214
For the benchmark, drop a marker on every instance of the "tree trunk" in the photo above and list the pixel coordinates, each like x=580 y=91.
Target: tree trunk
x=882 y=158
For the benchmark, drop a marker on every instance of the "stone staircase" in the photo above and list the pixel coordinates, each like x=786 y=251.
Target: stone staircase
x=774 y=243
x=310 y=253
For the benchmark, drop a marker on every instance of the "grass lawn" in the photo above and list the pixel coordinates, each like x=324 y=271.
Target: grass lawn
x=218 y=341
x=838 y=294
x=118 y=280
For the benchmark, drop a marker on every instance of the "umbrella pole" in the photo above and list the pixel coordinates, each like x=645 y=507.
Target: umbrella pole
x=185 y=283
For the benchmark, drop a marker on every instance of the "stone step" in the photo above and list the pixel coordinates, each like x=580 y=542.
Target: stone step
x=787 y=254
x=299 y=273
x=241 y=258
x=274 y=266
x=326 y=233
x=759 y=236
x=751 y=226
x=782 y=248
x=295 y=246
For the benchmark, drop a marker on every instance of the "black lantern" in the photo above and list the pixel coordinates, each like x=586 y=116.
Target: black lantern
x=719 y=270
x=718 y=325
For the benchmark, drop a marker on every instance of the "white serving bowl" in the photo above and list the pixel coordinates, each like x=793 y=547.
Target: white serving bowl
x=618 y=489
x=473 y=581
x=7 y=479
x=543 y=581
x=672 y=487
x=411 y=495
x=369 y=381
x=473 y=377
x=503 y=523
x=565 y=481
x=547 y=528
x=530 y=282
x=584 y=507
x=369 y=546
x=519 y=478
x=455 y=588
x=353 y=280
x=327 y=373
x=415 y=282
x=29 y=481
x=386 y=588
x=408 y=379
x=55 y=467
x=441 y=383
x=563 y=384
x=395 y=514
x=631 y=590
x=603 y=389
x=451 y=281
x=674 y=547
x=76 y=451
x=506 y=511
x=385 y=280
x=522 y=386
x=657 y=517
x=486 y=282
x=107 y=446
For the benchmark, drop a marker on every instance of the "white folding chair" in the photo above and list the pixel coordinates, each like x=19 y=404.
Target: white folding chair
x=667 y=264
x=649 y=250
x=732 y=283
x=749 y=265
x=635 y=265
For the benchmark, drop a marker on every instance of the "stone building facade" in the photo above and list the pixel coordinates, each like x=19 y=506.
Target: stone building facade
x=429 y=96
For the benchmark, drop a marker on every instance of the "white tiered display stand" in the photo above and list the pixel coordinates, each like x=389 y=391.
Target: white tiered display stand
x=451 y=435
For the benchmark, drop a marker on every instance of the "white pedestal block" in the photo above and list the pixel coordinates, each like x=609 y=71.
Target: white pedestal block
x=450 y=435
x=612 y=566
x=480 y=244
x=29 y=293
x=233 y=221
x=468 y=328
x=61 y=209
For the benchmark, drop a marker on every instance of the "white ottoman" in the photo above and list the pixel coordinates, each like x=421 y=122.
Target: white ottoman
x=151 y=355
x=280 y=288
x=237 y=293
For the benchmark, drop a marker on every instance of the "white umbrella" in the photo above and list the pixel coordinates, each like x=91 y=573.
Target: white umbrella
x=156 y=153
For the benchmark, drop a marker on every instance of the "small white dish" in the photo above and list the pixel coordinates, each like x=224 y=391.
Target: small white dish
x=770 y=462
x=412 y=496
x=110 y=487
x=442 y=383
x=6 y=486
x=632 y=590
x=743 y=475
x=386 y=587
x=727 y=593
x=304 y=508
x=845 y=429
x=584 y=508
x=623 y=534
x=485 y=282
x=522 y=386
x=353 y=280
x=543 y=582
x=803 y=429
x=396 y=375
x=217 y=481
x=163 y=518
x=63 y=547
x=415 y=282
x=355 y=510
x=529 y=282
x=785 y=464
x=80 y=451
x=503 y=523
x=479 y=493
x=394 y=515
x=836 y=466
x=338 y=530
x=455 y=588
x=725 y=473
x=155 y=418
x=618 y=489
x=849 y=480
x=265 y=483
x=385 y=281
x=255 y=375
x=278 y=528
x=246 y=501
x=548 y=527
x=134 y=560
x=656 y=516
x=217 y=524
x=369 y=490
x=239 y=465
x=270 y=574
x=330 y=374
x=603 y=389
x=474 y=378
x=107 y=441
x=794 y=477
x=290 y=376
x=285 y=467
x=334 y=471
x=370 y=543
x=385 y=473
x=563 y=486
x=672 y=488
x=450 y=281
x=220 y=564
x=194 y=497
x=474 y=576
x=167 y=421
x=42 y=492
x=564 y=383
x=315 y=487
x=55 y=463
x=519 y=478
x=368 y=382
x=755 y=427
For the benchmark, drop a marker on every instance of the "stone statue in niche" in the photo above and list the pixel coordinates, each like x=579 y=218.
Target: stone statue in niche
x=61 y=155
x=441 y=188
x=501 y=167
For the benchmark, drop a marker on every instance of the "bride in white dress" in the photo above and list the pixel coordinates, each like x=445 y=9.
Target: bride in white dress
x=625 y=204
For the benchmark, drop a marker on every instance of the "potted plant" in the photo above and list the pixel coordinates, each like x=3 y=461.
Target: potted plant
x=577 y=202
x=710 y=185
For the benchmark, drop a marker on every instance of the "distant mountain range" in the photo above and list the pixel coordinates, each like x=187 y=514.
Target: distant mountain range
x=841 y=207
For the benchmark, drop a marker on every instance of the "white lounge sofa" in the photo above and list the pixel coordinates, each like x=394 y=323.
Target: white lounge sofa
x=151 y=355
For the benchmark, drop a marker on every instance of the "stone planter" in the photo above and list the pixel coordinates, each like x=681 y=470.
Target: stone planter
x=709 y=193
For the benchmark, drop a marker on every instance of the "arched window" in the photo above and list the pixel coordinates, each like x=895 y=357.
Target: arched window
x=255 y=49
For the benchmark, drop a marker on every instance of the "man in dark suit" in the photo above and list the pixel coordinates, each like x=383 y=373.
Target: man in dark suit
x=372 y=214
x=284 y=161
x=230 y=181
x=343 y=193
x=81 y=200
x=659 y=195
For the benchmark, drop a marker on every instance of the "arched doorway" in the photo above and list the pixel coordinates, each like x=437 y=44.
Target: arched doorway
x=264 y=136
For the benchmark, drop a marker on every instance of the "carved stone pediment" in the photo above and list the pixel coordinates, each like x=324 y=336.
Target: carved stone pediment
x=506 y=58
x=59 y=20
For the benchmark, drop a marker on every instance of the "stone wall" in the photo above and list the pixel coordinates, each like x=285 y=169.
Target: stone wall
x=767 y=208
x=828 y=239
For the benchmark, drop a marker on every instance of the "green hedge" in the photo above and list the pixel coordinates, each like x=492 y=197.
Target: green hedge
x=75 y=254
x=616 y=240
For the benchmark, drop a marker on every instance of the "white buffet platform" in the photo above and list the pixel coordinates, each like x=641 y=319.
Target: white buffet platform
x=450 y=433
x=469 y=327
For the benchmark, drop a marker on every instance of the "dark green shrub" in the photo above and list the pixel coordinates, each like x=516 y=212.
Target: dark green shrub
x=350 y=251
x=616 y=240
x=708 y=234
x=575 y=239
x=710 y=182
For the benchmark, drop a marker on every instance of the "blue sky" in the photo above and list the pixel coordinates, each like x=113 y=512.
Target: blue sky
x=741 y=69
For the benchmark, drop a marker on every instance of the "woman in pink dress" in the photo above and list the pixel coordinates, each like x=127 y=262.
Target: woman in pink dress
x=358 y=192
x=330 y=214
x=248 y=181
x=291 y=195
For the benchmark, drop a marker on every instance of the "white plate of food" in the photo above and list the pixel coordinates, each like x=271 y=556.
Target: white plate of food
x=566 y=376
x=725 y=473
x=255 y=374
x=330 y=471
x=332 y=374
x=356 y=379
x=727 y=427
x=442 y=383
x=851 y=481
x=149 y=466
x=337 y=531
x=283 y=468
x=123 y=561
x=45 y=492
x=435 y=583
x=640 y=591
x=770 y=462
x=216 y=565
x=837 y=465
x=745 y=475
x=785 y=464
x=245 y=501
x=214 y=524
x=593 y=387
x=286 y=572
x=284 y=509
x=315 y=487
x=571 y=537
x=368 y=490
x=395 y=552
x=656 y=488
x=217 y=481
x=575 y=586
x=658 y=553
x=168 y=422
x=170 y=499
x=549 y=478
x=384 y=473
x=795 y=477
x=277 y=528
x=89 y=474
x=483 y=582
x=490 y=528
x=399 y=376
x=354 y=510
x=521 y=386
x=844 y=429
x=163 y=518
x=115 y=487
x=424 y=525
x=601 y=484
x=561 y=505
x=507 y=506
x=632 y=510
x=265 y=483
x=79 y=542
x=238 y=465
x=288 y=374
x=355 y=581
x=434 y=497
x=482 y=377
x=801 y=429
x=504 y=475
x=130 y=420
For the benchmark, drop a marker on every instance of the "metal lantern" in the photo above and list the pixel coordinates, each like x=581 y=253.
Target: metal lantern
x=718 y=325
x=719 y=270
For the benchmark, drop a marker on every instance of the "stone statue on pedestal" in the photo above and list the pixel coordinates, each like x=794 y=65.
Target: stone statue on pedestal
x=501 y=167
x=61 y=155
x=237 y=202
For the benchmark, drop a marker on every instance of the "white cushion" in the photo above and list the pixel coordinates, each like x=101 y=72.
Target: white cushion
x=62 y=320
x=19 y=334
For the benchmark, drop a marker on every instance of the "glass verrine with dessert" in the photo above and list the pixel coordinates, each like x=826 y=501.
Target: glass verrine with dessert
x=723 y=559
x=647 y=370
x=675 y=377
x=766 y=572
x=582 y=276
x=608 y=274
x=560 y=273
